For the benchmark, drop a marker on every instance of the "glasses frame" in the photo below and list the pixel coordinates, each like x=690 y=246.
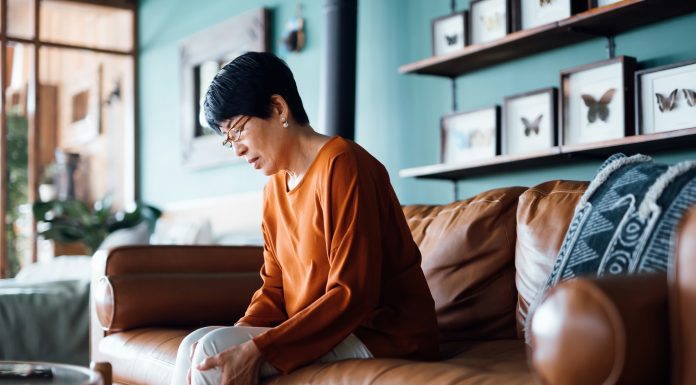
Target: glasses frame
x=234 y=133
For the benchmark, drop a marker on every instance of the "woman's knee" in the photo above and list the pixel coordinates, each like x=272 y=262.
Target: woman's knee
x=221 y=339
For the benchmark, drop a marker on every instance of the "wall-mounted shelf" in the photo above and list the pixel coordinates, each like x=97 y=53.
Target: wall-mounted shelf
x=662 y=141
x=605 y=21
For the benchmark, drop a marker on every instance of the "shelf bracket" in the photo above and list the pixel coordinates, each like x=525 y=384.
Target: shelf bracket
x=453 y=5
x=611 y=43
x=455 y=189
x=454 y=95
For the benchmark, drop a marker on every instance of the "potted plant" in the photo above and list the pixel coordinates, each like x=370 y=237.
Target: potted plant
x=68 y=221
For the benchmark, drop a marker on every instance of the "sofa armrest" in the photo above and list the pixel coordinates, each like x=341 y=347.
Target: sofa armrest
x=171 y=286
x=603 y=331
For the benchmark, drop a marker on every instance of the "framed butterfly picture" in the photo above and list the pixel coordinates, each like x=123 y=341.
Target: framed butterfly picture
x=597 y=101
x=490 y=20
x=530 y=122
x=533 y=13
x=602 y=3
x=450 y=33
x=470 y=136
x=666 y=97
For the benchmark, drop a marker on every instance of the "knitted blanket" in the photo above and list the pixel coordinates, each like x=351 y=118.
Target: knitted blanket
x=626 y=220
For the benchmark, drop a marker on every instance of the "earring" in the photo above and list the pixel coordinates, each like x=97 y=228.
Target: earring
x=285 y=123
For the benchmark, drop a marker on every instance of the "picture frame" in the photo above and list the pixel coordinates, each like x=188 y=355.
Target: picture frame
x=489 y=20
x=597 y=101
x=666 y=97
x=450 y=33
x=470 y=135
x=530 y=122
x=533 y=13
x=201 y=56
x=82 y=103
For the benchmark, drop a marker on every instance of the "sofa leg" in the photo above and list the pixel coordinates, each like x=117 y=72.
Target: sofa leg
x=103 y=368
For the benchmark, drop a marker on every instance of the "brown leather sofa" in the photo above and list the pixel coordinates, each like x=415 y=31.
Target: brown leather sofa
x=484 y=259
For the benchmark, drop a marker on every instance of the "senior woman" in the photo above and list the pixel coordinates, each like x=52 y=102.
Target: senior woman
x=341 y=272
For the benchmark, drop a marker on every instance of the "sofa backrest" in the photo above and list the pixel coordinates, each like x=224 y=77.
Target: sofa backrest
x=544 y=213
x=468 y=260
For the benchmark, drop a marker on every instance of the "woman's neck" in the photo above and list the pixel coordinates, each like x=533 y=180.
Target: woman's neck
x=307 y=144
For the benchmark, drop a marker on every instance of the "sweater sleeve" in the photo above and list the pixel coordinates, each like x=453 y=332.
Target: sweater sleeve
x=267 y=308
x=350 y=206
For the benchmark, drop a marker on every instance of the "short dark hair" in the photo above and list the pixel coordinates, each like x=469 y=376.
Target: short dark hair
x=245 y=85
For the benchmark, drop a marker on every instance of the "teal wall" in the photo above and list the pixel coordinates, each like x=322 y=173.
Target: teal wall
x=397 y=115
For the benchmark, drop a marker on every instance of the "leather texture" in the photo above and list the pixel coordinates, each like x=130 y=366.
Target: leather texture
x=468 y=250
x=544 y=213
x=682 y=283
x=135 y=294
x=143 y=356
x=608 y=330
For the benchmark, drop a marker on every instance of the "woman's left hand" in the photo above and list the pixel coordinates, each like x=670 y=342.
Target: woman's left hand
x=240 y=364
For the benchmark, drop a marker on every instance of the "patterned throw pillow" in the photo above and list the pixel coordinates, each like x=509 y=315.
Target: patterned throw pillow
x=625 y=221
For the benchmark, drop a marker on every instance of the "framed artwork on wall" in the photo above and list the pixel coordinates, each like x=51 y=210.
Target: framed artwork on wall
x=449 y=33
x=470 y=136
x=83 y=102
x=489 y=20
x=533 y=13
x=597 y=101
x=602 y=3
x=529 y=122
x=666 y=98
x=202 y=55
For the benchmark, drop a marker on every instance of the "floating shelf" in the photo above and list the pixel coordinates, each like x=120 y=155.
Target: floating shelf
x=605 y=21
x=650 y=143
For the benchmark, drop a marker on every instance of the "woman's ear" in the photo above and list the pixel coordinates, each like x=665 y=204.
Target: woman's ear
x=279 y=106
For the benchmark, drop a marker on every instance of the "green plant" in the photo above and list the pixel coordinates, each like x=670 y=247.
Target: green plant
x=16 y=170
x=72 y=221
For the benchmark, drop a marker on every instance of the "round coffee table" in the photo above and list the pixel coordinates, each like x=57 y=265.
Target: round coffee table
x=61 y=374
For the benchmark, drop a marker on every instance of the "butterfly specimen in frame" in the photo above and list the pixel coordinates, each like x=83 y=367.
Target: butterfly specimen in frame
x=598 y=108
x=690 y=96
x=545 y=2
x=451 y=39
x=531 y=127
x=666 y=103
x=492 y=22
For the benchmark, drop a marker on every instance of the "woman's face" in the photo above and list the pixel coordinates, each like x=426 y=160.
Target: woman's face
x=260 y=143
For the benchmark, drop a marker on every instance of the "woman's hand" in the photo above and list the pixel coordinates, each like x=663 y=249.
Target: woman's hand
x=240 y=364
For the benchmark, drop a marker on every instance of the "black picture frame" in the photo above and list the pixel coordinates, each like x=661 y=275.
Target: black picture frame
x=572 y=116
x=518 y=7
x=509 y=132
x=642 y=127
x=487 y=143
x=463 y=17
x=474 y=22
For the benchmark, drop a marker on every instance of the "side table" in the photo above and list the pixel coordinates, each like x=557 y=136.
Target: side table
x=61 y=374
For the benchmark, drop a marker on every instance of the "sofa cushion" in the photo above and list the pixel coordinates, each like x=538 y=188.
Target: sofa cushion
x=143 y=356
x=479 y=362
x=468 y=260
x=543 y=215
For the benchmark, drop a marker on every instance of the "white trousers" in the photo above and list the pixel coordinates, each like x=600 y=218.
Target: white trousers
x=215 y=339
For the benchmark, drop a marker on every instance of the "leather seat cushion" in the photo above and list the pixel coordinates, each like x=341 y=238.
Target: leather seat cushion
x=485 y=362
x=143 y=356
x=147 y=356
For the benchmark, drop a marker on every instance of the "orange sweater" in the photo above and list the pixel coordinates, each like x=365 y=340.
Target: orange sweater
x=339 y=259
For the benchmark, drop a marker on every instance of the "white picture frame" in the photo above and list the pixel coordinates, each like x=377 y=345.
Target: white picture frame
x=675 y=107
x=489 y=20
x=449 y=33
x=200 y=55
x=470 y=136
x=83 y=112
x=596 y=101
x=529 y=122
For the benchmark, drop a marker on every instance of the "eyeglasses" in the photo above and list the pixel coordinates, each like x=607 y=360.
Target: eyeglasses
x=234 y=134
